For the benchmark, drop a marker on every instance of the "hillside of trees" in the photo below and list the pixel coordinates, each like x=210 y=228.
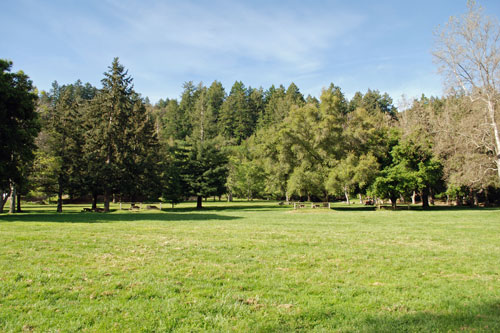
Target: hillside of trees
x=80 y=141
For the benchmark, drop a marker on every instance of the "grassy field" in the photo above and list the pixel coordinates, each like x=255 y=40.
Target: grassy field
x=254 y=267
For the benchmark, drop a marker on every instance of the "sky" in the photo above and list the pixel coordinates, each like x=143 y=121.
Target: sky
x=381 y=45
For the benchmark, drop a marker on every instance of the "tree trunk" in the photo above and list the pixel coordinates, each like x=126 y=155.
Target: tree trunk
x=308 y=197
x=347 y=197
x=458 y=200
x=496 y=134
x=475 y=198
x=287 y=197
x=394 y=203
x=94 y=201
x=3 y=200
x=447 y=199
x=59 y=200
x=106 y=200
x=425 y=198
x=413 y=197
x=18 y=202
x=12 y=198
x=199 y=201
x=360 y=198
x=230 y=197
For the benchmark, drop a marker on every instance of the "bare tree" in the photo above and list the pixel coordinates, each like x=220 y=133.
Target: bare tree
x=468 y=52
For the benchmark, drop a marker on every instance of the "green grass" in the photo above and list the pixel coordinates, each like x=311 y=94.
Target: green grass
x=254 y=267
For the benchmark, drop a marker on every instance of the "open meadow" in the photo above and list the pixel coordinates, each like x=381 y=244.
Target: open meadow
x=253 y=267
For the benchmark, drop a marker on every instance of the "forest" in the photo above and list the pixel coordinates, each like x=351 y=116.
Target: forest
x=110 y=143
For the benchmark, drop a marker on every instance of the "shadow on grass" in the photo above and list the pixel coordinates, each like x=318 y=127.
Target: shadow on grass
x=226 y=207
x=412 y=208
x=354 y=208
x=473 y=317
x=110 y=218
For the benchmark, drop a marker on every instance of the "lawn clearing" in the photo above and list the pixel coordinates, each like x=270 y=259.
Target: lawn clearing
x=250 y=267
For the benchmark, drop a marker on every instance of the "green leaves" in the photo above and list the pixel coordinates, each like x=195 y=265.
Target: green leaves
x=19 y=124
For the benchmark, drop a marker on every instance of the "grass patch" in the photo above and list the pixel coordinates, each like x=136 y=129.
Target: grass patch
x=250 y=267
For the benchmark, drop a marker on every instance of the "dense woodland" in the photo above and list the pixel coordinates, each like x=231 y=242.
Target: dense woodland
x=79 y=141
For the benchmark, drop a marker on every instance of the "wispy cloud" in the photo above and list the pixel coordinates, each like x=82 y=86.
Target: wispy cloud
x=235 y=32
x=356 y=45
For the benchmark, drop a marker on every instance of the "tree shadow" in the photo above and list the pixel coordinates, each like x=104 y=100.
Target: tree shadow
x=455 y=208
x=412 y=208
x=355 y=208
x=465 y=317
x=72 y=217
x=226 y=207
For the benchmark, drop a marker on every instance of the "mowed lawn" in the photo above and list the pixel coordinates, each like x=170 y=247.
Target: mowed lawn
x=250 y=267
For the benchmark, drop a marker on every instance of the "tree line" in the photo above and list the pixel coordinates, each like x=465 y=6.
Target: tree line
x=77 y=140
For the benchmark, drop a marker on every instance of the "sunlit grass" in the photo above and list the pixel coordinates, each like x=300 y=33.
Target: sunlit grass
x=250 y=267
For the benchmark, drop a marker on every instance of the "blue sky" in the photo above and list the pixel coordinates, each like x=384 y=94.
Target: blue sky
x=384 y=45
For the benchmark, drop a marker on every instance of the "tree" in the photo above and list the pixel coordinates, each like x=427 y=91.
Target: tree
x=306 y=180
x=468 y=53
x=19 y=127
x=172 y=121
x=276 y=107
x=352 y=173
x=246 y=177
x=464 y=146
x=215 y=96
x=120 y=141
x=373 y=101
x=205 y=170
x=394 y=181
x=418 y=162
x=62 y=116
x=237 y=118
x=341 y=177
x=276 y=158
x=186 y=110
x=172 y=169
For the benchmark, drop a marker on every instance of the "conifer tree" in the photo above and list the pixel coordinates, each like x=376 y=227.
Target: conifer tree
x=120 y=138
x=62 y=115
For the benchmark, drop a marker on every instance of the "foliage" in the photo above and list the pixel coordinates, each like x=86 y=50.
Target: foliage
x=63 y=134
x=246 y=177
x=19 y=126
x=205 y=170
x=120 y=139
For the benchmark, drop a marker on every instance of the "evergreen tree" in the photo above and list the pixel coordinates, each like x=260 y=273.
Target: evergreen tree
x=19 y=127
x=276 y=108
x=186 y=110
x=120 y=138
x=172 y=121
x=63 y=127
x=173 y=170
x=215 y=99
x=236 y=120
x=206 y=171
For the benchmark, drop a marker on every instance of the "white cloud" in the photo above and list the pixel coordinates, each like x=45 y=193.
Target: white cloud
x=232 y=32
